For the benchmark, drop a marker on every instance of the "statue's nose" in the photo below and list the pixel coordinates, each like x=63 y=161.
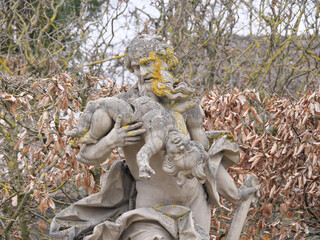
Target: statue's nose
x=143 y=71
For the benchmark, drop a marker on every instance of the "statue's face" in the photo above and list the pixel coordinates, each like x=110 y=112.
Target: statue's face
x=186 y=160
x=153 y=76
x=144 y=72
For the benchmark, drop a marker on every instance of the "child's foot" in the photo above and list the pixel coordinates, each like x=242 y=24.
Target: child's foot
x=88 y=139
x=73 y=133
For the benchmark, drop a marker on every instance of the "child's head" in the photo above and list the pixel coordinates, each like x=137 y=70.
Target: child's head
x=184 y=158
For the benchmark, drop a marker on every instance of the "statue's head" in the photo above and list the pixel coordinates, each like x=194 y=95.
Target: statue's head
x=152 y=60
x=184 y=158
x=148 y=47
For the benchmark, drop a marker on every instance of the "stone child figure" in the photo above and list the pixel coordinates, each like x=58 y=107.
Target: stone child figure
x=99 y=116
x=184 y=158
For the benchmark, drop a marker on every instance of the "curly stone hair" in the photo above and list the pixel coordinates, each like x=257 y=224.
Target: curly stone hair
x=143 y=45
x=182 y=174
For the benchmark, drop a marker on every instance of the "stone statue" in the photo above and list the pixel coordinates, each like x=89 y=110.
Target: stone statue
x=171 y=176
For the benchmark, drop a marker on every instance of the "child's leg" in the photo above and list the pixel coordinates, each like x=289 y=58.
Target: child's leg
x=84 y=121
x=101 y=123
x=154 y=142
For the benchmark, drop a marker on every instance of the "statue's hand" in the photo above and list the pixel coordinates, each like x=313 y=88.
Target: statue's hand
x=126 y=135
x=144 y=168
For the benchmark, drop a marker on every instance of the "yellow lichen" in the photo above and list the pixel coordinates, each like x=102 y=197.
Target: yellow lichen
x=157 y=206
x=181 y=126
x=150 y=58
x=158 y=82
x=85 y=136
x=143 y=60
x=220 y=135
x=171 y=59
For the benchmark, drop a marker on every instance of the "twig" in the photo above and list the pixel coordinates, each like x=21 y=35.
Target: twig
x=289 y=93
x=101 y=61
x=2 y=224
x=60 y=202
x=309 y=209
x=17 y=213
x=57 y=188
x=66 y=195
x=26 y=197
x=7 y=199
x=38 y=215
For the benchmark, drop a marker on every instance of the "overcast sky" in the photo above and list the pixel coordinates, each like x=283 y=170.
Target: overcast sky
x=126 y=27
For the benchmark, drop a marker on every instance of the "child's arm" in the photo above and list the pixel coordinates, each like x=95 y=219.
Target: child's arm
x=194 y=125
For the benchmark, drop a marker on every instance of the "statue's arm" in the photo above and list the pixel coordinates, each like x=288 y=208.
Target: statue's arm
x=195 y=128
x=93 y=154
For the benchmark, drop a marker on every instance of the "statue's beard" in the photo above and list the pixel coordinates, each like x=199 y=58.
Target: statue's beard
x=145 y=90
x=163 y=86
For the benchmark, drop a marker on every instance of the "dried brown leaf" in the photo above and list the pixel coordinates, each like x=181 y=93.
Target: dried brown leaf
x=305 y=118
x=43 y=205
x=255 y=114
x=284 y=209
x=310 y=172
x=272 y=191
x=14 y=201
x=263 y=143
x=242 y=99
x=267 y=210
x=300 y=149
x=44 y=117
x=317 y=107
x=258 y=96
x=255 y=161
x=255 y=142
x=273 y=149
x=246 y=116
x=35 y=85
x=311 y=96
x=51 y=204
x=36 y=194
x=43 y=226
x=44 y=101
x=64 y=105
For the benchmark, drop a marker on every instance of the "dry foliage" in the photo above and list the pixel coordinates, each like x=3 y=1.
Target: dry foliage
x=280 y=139
x=38 y=165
